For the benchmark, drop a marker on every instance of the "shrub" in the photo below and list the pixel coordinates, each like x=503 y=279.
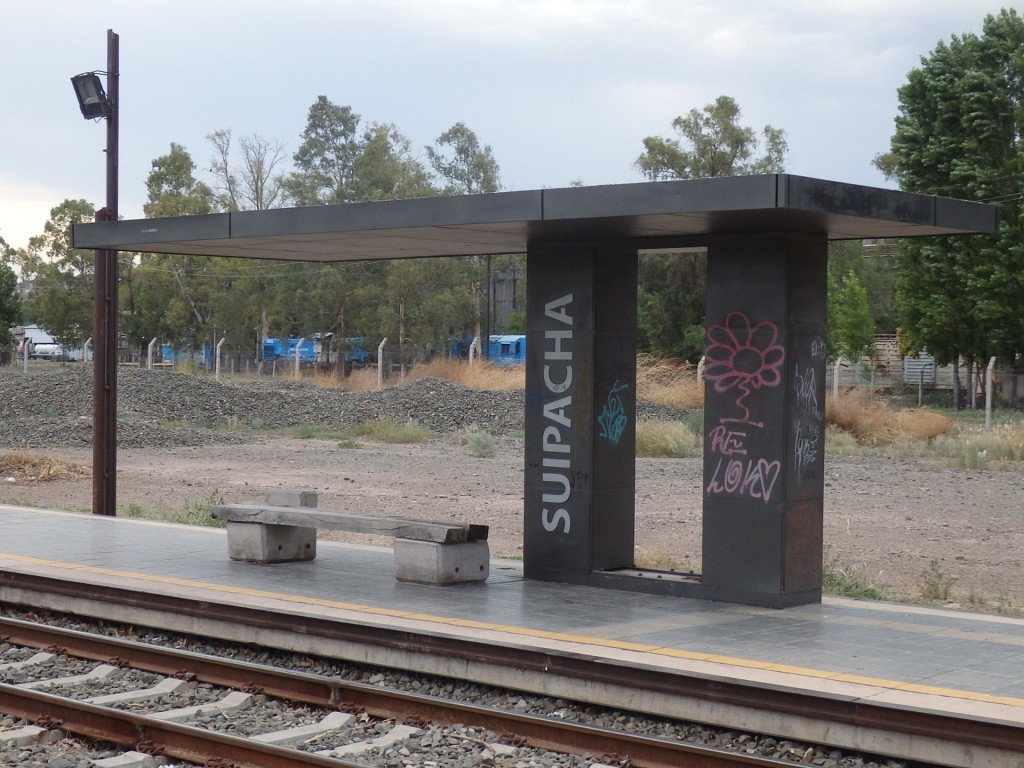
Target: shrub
x=392 y=431
x=936 y=582
x=192 y=512
x=667 y=439
x=855 y=411
x=480 y=445
x=849 y=581
x=922 y=424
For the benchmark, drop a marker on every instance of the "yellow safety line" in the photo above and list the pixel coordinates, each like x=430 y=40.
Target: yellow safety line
x=883 y=683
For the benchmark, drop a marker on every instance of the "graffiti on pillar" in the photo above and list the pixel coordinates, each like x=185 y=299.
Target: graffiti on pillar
x=808 y=417
x=613 y=419
x=741 y=358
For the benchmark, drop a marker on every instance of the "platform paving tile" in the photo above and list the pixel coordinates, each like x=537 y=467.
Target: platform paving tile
x=948 y=649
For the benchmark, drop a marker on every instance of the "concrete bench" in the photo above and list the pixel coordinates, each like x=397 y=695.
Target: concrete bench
x=284 y=530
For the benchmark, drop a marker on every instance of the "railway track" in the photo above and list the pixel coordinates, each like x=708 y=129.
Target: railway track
x=352 y=719
x=797 y=718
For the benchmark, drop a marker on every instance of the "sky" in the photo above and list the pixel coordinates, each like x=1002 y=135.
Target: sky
x=563 y=91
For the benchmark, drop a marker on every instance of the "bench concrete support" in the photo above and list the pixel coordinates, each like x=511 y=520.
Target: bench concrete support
x=428 y=562
x=267 y=543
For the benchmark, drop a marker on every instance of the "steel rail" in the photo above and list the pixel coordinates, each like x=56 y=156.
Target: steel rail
x=154 y=736
x=533 y=730
x=842 y=710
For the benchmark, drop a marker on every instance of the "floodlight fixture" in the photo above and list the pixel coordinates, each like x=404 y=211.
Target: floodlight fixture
x=92 y=99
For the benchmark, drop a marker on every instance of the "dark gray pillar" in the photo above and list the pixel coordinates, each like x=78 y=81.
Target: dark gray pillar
x=764 y=419
x=580 y=466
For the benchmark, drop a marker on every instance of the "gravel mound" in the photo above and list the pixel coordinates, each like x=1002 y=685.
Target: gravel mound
x=168 y=409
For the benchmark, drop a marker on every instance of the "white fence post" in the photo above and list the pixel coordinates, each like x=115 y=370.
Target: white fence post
x=149 y=359
x=988 y=392
x=380 y=363
x=216 y=363
x=298 y=356
x=835 y=378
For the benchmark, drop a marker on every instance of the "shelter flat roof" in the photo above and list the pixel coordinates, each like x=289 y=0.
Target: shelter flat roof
x=653 y=214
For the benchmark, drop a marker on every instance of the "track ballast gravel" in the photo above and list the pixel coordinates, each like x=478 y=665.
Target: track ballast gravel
x=162 y=409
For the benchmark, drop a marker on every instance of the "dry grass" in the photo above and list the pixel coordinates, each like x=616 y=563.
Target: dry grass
x=872 y=422
x=26 y=467
x=667 y=440
x=643 y=558
x=922 y=424
x=668 y=382
x=856 y=412
x=481 y=376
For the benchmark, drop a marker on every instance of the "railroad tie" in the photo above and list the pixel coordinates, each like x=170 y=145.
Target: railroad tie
x=233 y=702
x=299 y=733
x=398 y=733
x=164 y=687
x=99 y=672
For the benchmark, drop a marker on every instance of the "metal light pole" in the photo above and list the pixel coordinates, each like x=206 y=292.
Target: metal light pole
x=95 y=104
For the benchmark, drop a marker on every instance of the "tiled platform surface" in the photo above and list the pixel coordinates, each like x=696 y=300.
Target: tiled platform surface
x=968 y=660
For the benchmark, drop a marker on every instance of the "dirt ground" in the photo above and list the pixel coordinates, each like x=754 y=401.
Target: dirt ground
x=885 y=518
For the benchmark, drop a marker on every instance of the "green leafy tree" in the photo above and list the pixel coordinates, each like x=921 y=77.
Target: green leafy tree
x=10 y=301
x=712 y=143
x=422 y=302
x=670 y=304
x=959 y=133
x=463 y=165
x=851 y=330
x=326 y=159
x=172 y=188
x=150 y=283
x=62 y=276
x=386 y=168
x=875 y=268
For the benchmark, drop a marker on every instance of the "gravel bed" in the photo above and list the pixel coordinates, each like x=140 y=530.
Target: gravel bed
x=59 y=666
x=58 y=750
x=459 y=746
x=168 y=409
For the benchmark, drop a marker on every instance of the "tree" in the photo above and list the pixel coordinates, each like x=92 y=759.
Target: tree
x=172 y=189
x=464 y=167
x=62 y=276
x=252 y=186
x=959 y=133
x=671 y=286
x=712 y=143
x=386 y=168
x=851 y=329
x=326 y=158
x=423 y=302
x=10 y=301
x=875 y=269
x=670 y=304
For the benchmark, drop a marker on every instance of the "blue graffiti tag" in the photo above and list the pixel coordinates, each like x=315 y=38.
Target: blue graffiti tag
x=613 y=419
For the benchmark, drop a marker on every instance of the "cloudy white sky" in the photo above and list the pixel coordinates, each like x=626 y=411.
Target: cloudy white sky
x=562 y=90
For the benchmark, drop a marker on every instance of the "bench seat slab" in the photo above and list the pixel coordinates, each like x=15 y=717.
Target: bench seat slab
x=307 y=517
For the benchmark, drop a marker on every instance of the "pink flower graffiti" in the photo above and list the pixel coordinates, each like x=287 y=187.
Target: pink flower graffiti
x=744 y=358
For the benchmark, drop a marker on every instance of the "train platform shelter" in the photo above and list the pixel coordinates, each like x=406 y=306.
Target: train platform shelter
x=766 y=240
x=853 y=654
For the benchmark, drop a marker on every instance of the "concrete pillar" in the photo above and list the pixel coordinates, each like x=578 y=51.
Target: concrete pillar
x=764 y=419
x=580 y=468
